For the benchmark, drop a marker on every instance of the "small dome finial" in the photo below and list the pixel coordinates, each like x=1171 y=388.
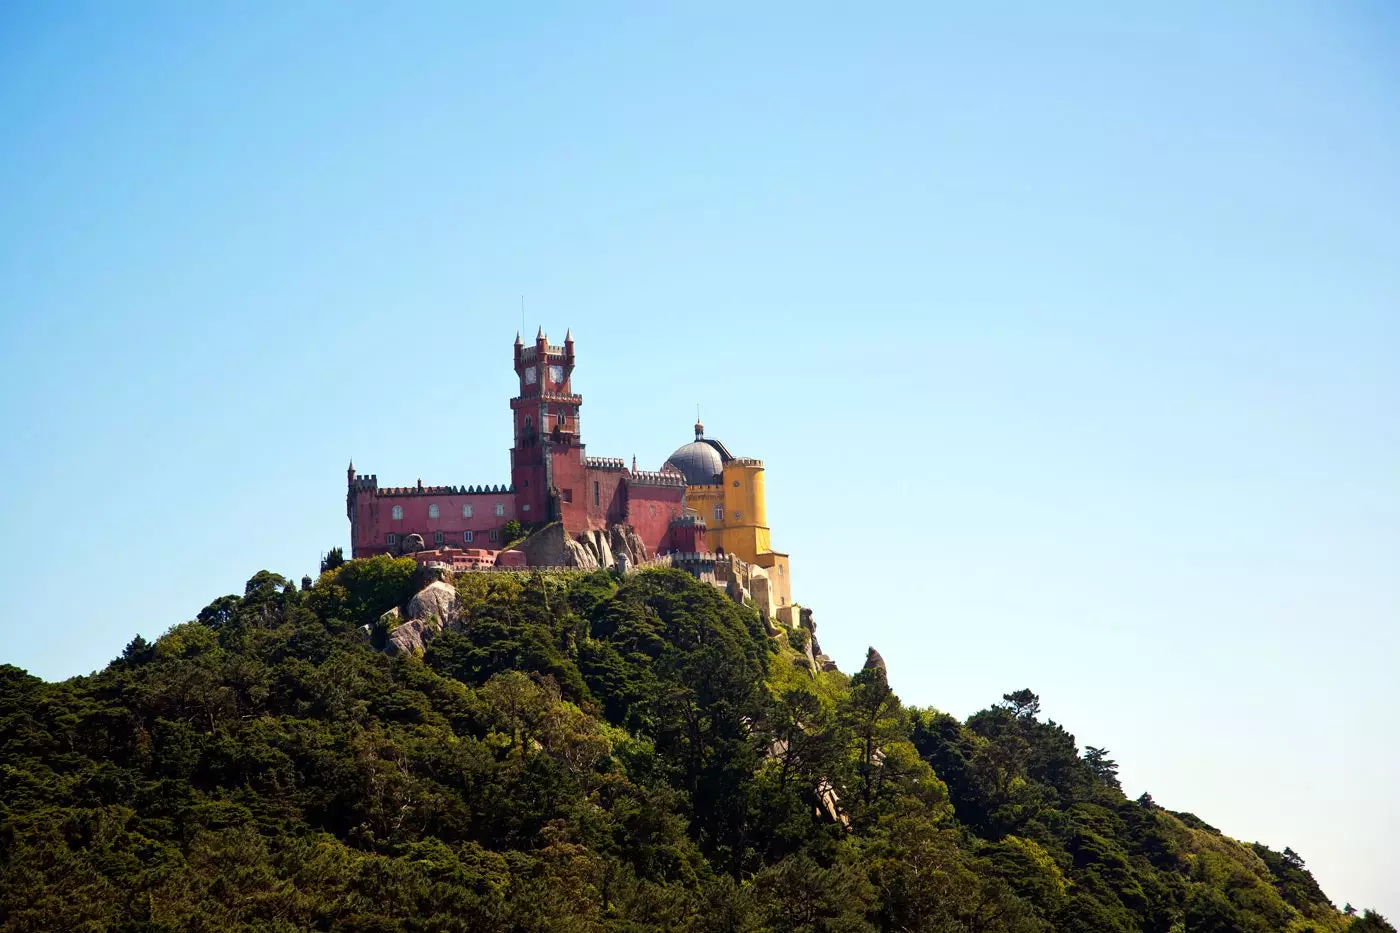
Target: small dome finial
x=699 y=425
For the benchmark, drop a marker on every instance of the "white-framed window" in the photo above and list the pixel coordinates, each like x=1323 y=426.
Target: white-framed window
x=719 y=513
x=467 y=537
x=561 y=418
x=391 y=539
x=525 y=507
x=466 y=511
x=433 y=510
x=500 y=509
x=495 y=535
x=397 y=513
x=437 y=538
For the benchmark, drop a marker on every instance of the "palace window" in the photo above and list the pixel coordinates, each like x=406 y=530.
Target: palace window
x=560 y=418
x=466 y=511
x=500 y=509
x=736 y=484
x=528 y=423
x=467 y=537
x=719 y=513
x=780 y=570
x=567 y=495
x=495 y=535
x=595 y=494
x=433 y=511
x=398 y=513
x=437 y=538
x=391 y=539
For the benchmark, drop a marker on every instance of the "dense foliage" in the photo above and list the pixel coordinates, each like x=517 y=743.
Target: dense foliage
x=586 y=754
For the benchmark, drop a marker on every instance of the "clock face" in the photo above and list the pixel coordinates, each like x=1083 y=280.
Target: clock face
x=530 y=375
x=556 y=374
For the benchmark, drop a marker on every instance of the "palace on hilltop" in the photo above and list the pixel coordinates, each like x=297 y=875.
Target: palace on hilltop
x=704 y=506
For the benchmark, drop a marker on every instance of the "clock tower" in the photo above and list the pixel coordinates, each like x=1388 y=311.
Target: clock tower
x=546 y=463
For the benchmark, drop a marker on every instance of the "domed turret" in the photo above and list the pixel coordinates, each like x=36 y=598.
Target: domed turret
x=701 y=461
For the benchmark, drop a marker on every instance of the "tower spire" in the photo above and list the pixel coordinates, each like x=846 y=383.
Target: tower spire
x=699 y=426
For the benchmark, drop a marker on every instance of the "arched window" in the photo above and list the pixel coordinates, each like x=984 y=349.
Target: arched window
x=398 y=513
x=433 y=510
x=466 y=511
x=500 y=509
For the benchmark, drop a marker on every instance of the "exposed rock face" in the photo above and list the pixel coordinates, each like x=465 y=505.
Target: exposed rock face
x=436 y=602
x=412 y=544
x=623 y=540
x=409 y=638
x=873 y=659
x=432 y=608
x=551 y=547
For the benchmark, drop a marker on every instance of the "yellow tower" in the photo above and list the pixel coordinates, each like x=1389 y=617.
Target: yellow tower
x=728 y=493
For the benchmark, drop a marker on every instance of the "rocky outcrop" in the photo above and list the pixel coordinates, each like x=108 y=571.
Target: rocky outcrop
x=598 y=547
x=624 y=540
x=436 y=601
x=412 y=544
x=873 y=660
x=429 y=611
x=552 y=547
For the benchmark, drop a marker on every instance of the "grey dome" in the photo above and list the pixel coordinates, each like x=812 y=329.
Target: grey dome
x=699 y=462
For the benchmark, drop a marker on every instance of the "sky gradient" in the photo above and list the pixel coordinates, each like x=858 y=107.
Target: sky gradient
x=1069 y=336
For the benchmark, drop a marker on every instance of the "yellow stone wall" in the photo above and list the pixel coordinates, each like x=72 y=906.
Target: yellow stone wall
x=742 y=529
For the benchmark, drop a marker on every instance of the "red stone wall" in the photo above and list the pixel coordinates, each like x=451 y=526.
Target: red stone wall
x=609 y=506
x=650 y=510
x=374 y=519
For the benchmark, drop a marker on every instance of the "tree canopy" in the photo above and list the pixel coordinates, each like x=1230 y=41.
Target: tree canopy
x=584 y=753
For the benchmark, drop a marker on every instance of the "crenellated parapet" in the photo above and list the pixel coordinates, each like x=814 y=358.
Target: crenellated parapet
x=421 y=490
x=605 y=463
x=531 y=354
x=745 y=462
x=661 y=478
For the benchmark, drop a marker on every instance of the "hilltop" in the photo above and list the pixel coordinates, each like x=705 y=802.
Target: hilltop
x=575 y=751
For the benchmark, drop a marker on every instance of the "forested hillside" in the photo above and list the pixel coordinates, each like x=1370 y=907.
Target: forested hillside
x=587 y=753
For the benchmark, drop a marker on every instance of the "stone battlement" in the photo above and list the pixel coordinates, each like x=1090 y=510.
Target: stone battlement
x=746 y=462
x=604 y=463
x=648 y=478
x=421 y=490
x=528 y=354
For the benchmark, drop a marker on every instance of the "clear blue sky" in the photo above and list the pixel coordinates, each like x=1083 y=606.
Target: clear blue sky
x=1069 y=335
